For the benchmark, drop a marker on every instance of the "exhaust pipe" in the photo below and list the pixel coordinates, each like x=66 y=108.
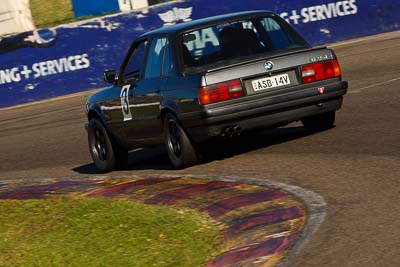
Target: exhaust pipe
x=237 y=130
x=231 y=131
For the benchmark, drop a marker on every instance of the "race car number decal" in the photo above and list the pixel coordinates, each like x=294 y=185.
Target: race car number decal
x=126 y=111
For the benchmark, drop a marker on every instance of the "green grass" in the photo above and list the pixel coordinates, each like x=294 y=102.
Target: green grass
x=47 y=13
x=98 y=232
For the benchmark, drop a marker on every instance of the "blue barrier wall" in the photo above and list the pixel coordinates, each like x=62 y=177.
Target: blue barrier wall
x=71 y=58
x=94 y=7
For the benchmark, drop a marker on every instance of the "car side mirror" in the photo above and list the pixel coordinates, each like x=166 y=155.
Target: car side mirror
x=110 y=76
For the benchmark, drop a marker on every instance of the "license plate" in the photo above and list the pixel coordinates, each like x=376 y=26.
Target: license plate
x=270 y=82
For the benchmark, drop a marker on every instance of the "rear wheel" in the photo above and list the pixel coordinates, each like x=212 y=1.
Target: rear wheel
x=107 y=155
x=180 y=149
x=319 y=122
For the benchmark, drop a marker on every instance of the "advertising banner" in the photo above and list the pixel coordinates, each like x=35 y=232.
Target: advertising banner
x=71 y=58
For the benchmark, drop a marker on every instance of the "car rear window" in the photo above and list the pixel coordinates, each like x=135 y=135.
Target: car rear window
x=230 y=41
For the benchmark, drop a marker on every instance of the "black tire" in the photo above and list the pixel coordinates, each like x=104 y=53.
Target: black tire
x=107 y=155
x=319 y=122
x=180 y=149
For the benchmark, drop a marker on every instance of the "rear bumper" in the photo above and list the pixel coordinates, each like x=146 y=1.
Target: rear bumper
x=266 y=112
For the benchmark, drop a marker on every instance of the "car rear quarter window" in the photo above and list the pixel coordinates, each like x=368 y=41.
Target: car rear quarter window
x=167 y=66
x=232 y=40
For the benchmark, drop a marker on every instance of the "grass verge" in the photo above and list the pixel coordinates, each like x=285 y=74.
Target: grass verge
x=50 y=13
x=100 y=232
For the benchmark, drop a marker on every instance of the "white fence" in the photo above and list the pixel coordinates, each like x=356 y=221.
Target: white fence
x=126 y=5
x=15 y=17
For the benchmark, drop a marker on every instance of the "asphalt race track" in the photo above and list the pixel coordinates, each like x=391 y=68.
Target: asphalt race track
x=355 y=166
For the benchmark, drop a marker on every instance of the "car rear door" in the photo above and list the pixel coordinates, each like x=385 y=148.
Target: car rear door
x=147 y=94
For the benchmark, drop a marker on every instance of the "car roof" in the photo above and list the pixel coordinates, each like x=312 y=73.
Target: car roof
x=185 y=26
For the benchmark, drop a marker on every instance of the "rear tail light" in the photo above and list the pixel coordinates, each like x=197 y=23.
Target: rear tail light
x=220 y=92
x=320 y=71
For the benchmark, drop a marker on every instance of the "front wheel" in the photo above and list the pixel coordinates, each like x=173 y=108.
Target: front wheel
x=180 y=149
x=319 y=122
x=106 y=154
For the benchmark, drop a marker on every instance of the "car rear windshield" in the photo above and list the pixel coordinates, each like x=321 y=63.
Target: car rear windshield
x=232 y=41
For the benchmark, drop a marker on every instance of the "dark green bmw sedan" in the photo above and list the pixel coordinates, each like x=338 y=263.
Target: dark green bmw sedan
x=216 y=77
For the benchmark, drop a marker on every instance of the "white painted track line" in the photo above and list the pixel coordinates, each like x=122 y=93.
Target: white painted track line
x=373 y=85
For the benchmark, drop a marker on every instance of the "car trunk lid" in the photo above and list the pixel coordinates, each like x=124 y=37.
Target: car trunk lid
x=270 y=72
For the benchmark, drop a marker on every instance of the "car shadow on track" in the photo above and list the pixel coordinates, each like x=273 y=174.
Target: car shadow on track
x=252 y=141
x=143 y=159
x=157 y=158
